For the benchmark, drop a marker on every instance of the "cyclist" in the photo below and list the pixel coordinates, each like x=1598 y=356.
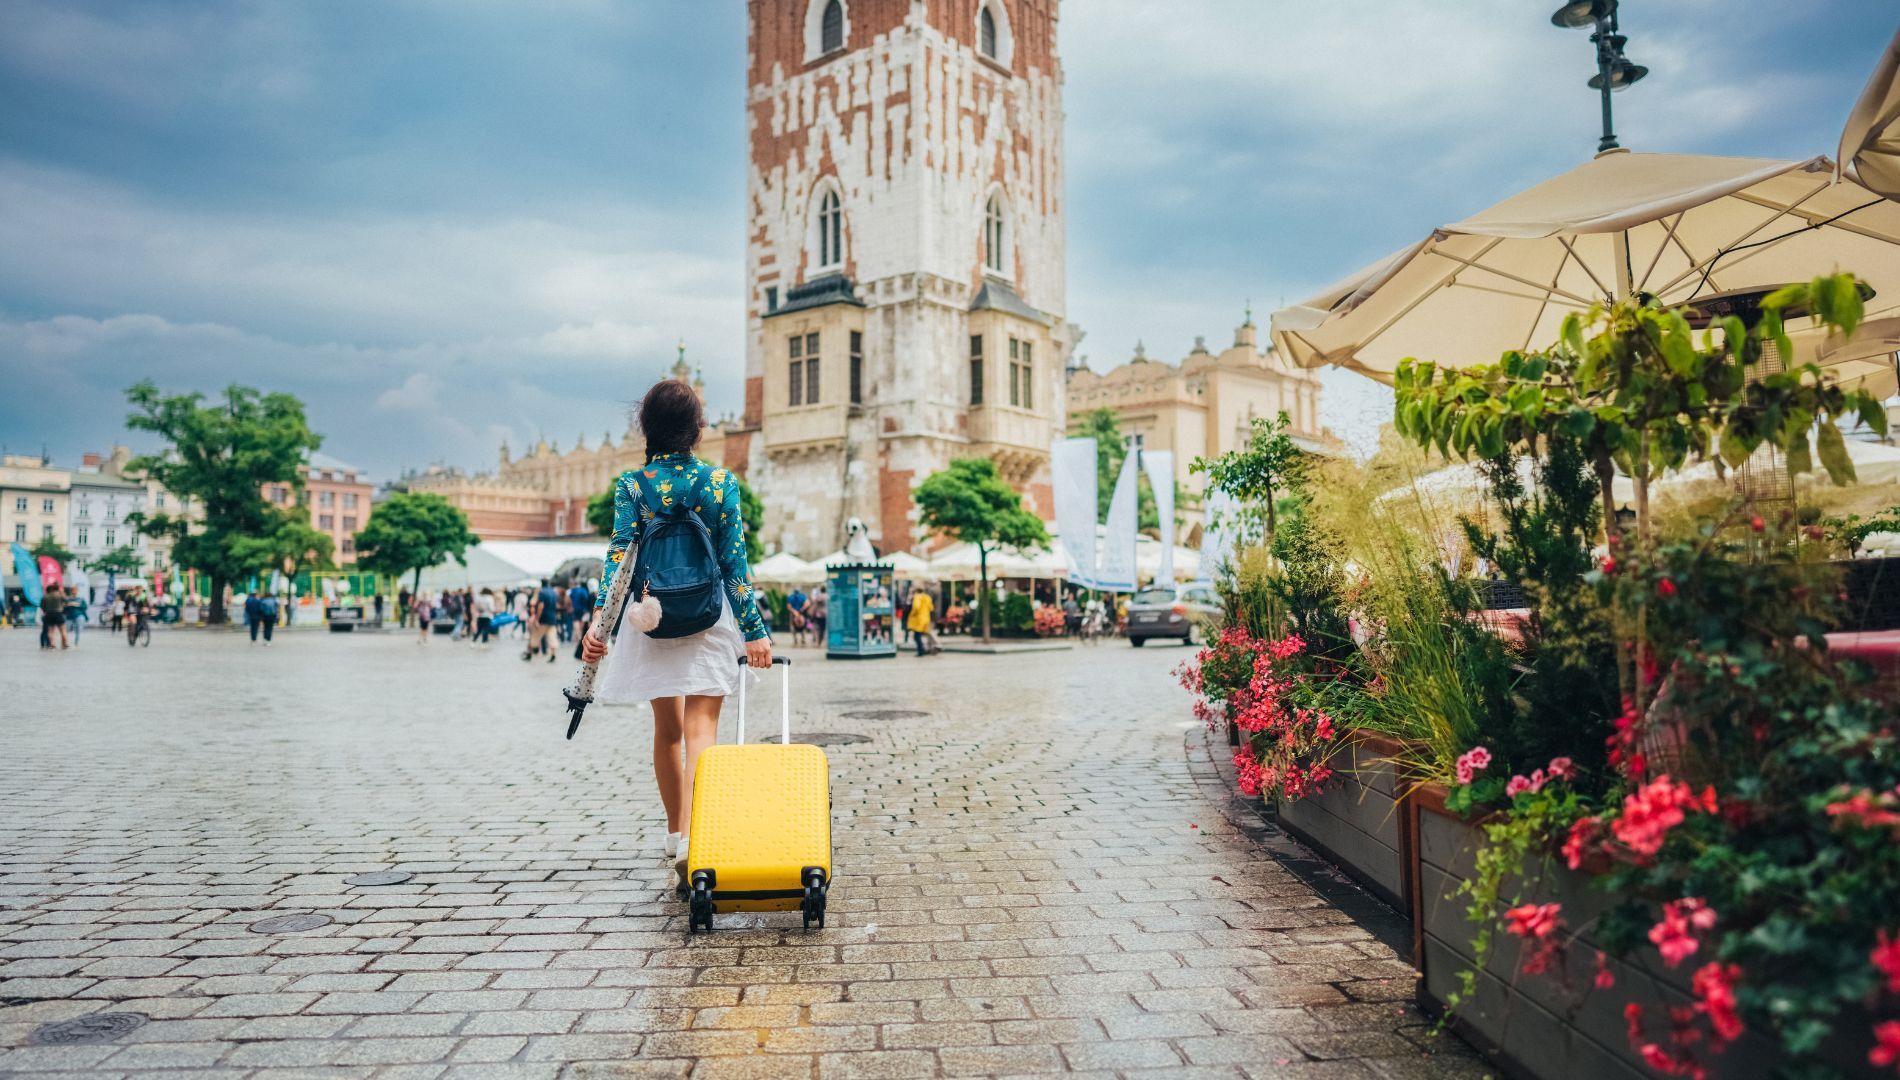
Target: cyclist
x=137 y=610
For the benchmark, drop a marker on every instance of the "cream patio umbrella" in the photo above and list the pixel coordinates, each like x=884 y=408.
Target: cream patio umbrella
x=1680 y=227
x=784 y=568
x=1870 y=143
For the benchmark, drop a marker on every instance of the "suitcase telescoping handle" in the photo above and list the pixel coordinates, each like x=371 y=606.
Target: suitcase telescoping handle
x=784 y=700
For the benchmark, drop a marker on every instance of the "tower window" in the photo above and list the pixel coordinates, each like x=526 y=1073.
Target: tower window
x=771 y=299
x=976 y=369
x=830 y=231
x=796 y=388
x=857 y=367
x=831 y=29
x=1021 y=367
x=993 y=231
x=986 y=25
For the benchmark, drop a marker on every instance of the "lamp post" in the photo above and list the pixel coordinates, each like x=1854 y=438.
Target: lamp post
x=1614 y=70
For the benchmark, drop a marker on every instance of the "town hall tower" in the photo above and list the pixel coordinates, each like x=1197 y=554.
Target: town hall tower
x=904 y=257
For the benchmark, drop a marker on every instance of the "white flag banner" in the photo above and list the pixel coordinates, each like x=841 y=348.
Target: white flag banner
x=1116 y=569
x=1159 y=465
x=1219 y=534
x=1073 y=475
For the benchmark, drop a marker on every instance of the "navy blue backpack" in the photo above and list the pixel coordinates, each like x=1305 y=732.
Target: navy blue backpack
x=675 y=562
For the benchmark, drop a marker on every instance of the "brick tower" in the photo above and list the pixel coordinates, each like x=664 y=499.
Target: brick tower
x=904 y=257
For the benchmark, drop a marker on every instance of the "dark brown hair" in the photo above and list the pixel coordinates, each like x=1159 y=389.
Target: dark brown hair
x=670 y=417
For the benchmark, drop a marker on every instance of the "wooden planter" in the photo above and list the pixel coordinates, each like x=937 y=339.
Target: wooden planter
x=1360 y=822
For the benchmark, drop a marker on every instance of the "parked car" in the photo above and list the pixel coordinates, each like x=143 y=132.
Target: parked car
x=1168 y=612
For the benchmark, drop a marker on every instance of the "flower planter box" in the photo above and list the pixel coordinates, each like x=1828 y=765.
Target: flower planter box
x=1360 y=822
x=1555 y=1026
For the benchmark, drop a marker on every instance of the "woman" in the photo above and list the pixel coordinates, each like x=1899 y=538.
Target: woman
x=484 y=618
x=918 y=622
x=423 y=612
x=686 y=679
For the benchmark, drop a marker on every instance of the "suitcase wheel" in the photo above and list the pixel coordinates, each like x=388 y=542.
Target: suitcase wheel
x=699 y=915
x=813 y=906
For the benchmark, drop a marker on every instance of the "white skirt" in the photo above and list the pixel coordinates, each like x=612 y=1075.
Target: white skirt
x=640 y=668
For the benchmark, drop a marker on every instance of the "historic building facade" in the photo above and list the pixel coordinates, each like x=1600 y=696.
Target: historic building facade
x=905 y=257
x=1204 y=406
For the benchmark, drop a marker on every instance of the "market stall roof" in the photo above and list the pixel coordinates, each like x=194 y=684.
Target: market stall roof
x=1870 y=143
x=494 y=563
x=1681 y=227
x=785 y=568
x=903 y=563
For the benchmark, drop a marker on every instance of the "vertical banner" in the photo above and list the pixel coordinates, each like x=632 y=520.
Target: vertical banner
x=1218 y=534
x=29 y=573
x=1116 y=570
x=1073 y=475
x=50 y=576
x=1159 y=465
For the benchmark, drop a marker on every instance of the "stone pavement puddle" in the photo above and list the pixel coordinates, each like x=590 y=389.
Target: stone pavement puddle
x=1033 y=880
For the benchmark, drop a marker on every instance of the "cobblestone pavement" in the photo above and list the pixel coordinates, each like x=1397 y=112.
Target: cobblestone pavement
x=1033 y=876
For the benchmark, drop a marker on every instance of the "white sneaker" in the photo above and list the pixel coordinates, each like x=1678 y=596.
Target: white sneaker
x=679 y=865
x=672 y=845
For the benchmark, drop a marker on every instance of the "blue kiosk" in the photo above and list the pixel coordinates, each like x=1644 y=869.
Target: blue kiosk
x=859 y=622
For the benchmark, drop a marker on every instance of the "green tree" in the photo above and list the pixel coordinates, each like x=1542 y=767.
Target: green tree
x=221 y=456
x=410 y=531
x=1111 y=450
x=291 y=544
x=1256 y=475
x=48 y=548
x=600 y=515
x=123 y=559
x=968 y=501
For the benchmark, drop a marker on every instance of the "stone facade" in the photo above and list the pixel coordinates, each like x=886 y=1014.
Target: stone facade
x=1202 y=407
x=905 y=231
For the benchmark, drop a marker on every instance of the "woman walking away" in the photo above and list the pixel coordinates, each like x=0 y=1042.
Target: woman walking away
x=484 y=618
x=685 y=678
x=918 y=622
x=419 y=607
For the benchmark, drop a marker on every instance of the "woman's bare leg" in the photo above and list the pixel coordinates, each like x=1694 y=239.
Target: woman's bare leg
x=701 y=730
x=675 y=785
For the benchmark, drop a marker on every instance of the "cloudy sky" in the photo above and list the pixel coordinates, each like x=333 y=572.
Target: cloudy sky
x=445 y=223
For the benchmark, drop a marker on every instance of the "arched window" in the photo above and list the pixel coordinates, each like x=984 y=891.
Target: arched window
x=831 y=28
x=986 y=29
x=830 y=231
x=993 y=234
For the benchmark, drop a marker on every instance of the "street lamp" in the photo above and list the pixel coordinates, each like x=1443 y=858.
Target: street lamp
x=1614 y=70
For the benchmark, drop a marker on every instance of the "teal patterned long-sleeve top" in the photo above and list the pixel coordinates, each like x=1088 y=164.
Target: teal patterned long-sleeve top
x=678 y=476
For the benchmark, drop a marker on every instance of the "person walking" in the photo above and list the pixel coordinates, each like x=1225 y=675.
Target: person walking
x=918 y=622
x=795 y=605
x=376 y=602
x=564 y=612
x=76 y=606
x=420 y=610
x=253 y=613
x=685 y=679
x=819 y=611
x=266 y=616
x=53 y=617
x=582 y=601
x=484 y=618
x=402 y=607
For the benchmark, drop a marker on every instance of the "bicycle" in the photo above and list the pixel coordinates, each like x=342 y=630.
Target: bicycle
x=139 y=632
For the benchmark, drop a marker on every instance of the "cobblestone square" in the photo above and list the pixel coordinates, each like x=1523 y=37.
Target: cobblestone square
x=1042 y=873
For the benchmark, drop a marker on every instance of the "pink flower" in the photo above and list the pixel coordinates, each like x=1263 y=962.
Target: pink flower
x=1472 y=762
x=1714 y=986
x=1886 y=1049
x=1583 y=833
x=1562 y=768
x=1605 y=979
x=1248 y=775
x=1534 y=920
x=1674 y=936
x=1532 y=783
x=1886 y=960
x=1656 y=808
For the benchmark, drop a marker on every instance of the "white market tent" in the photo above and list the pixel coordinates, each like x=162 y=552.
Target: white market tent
x=502 y=563
x=785 y=568
x=1681 y=227
x=905 y=565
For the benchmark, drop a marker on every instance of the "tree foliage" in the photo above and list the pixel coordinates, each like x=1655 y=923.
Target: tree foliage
x=220 y=456
x=48 y=548
x=970 y=502
x=1257 y=474
x=1633 y=386
x=410 y=531
x=123 y=559
x=290 y=544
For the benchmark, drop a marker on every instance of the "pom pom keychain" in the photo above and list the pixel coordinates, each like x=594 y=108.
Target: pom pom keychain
x=645 y=615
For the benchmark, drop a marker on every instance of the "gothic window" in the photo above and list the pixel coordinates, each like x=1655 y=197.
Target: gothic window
x=976 y=369
x=993 y=234
x=986 y=27
x=994 y=41
x=1021 y=368
x=831 y=29
x=830 y=231
x=857 y=367
x=1015 y=379
x=797 y=385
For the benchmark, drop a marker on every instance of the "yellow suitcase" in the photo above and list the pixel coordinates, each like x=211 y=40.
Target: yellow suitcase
x=761 y=827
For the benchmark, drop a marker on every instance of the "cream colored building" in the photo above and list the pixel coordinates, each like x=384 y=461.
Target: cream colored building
x=34 y=500
x=1202 y=407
